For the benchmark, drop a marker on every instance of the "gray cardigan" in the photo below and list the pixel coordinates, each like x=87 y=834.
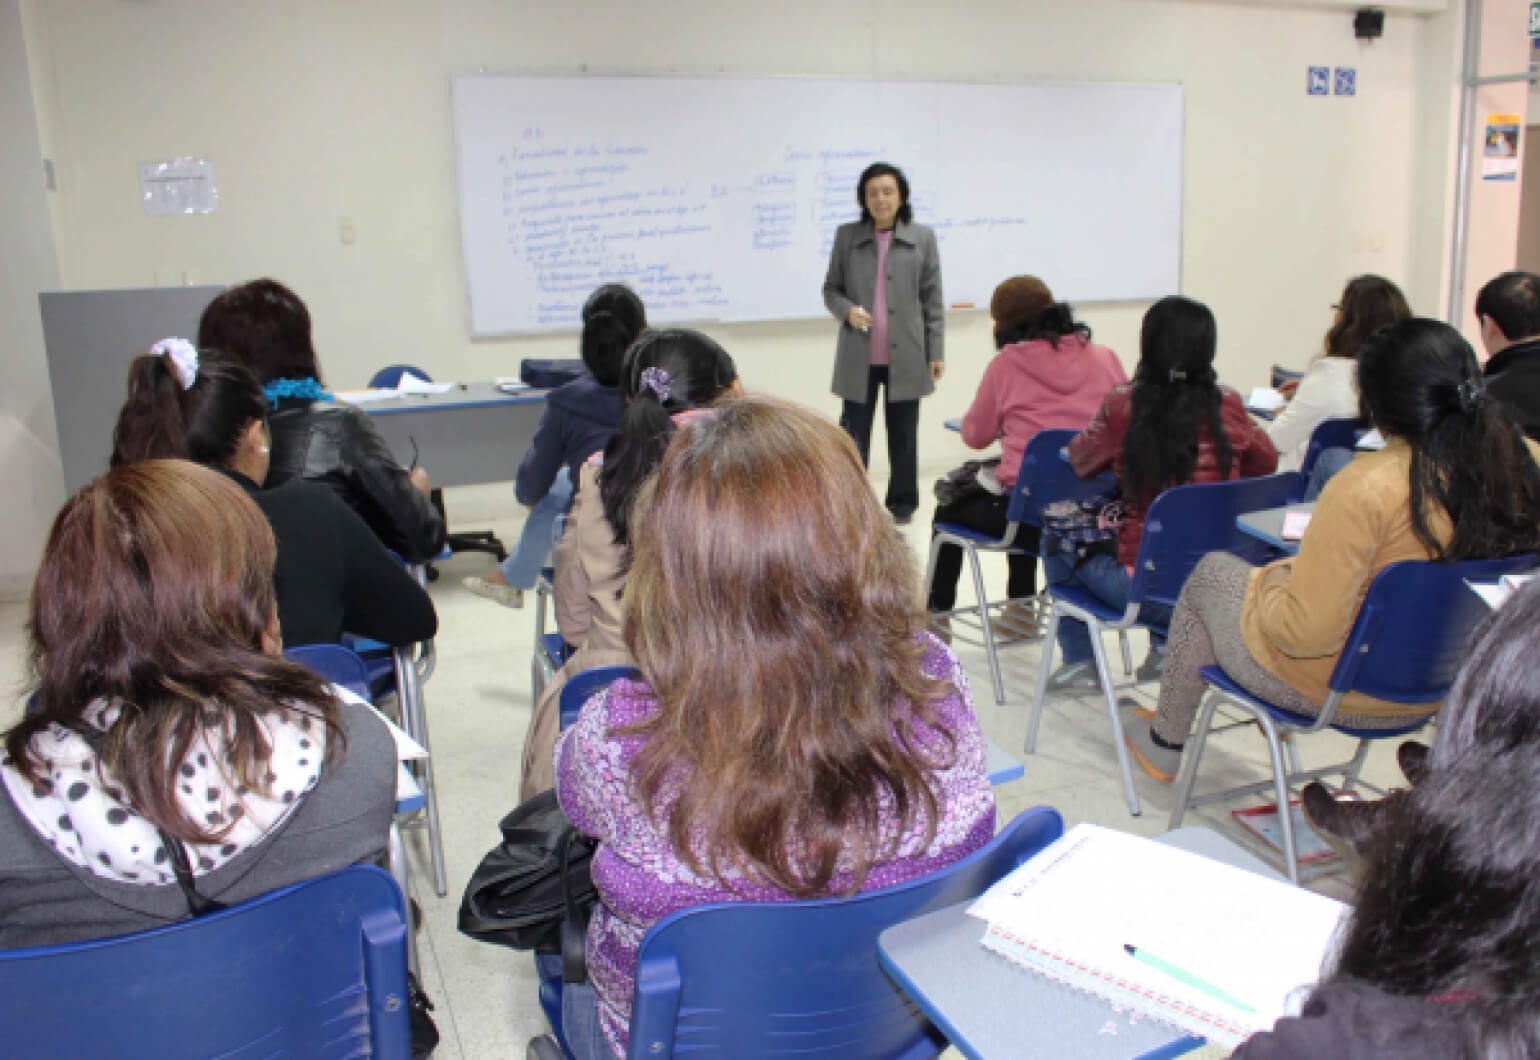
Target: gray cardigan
x=46 y=900
x=916 y=318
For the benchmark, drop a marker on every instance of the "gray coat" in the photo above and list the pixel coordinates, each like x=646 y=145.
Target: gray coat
x=46 y=900
x=916 y=321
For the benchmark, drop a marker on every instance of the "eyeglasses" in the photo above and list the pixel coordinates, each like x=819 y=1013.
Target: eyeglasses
x=1336 y=308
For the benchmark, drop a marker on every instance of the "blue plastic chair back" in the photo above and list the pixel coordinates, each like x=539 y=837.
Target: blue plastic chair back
x=1414 y=628
x=1046 y=477
x=1186 y=523
x=315 y=970
x=760 y=979
x=582 y=686
x=1281 y=375
x=339 y=665
x=389 y=378
x=1331 y=434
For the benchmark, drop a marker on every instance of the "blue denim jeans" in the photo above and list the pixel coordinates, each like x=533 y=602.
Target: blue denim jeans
x=533 y=552
x=1327 y=463
x=580 y=1023
x=1104 y=577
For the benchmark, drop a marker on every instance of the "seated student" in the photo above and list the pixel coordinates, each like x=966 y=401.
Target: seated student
x=579 y=418
x=1508 y=309
x=797 y=734
x=666 y=376
x=1173 y=425
x=267 y=327
x=333 y=575
x=1328 y=390
x=167 y=728
x=1048 y=374
x=1455 y=481
x=1438 y=958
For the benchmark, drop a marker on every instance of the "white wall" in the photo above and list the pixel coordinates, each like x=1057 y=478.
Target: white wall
x=31 y=480
x=316 y=111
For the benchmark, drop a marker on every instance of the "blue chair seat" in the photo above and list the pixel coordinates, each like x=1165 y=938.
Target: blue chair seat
x=1216 y=677
x=555 y=649
x=1076 y=595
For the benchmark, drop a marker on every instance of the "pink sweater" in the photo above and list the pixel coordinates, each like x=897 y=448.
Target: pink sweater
x=1033 y=386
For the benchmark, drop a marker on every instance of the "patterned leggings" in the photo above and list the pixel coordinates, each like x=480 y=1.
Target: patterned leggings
x=1205 y=631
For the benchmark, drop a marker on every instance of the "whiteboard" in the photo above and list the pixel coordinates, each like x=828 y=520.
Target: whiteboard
x=718 y=198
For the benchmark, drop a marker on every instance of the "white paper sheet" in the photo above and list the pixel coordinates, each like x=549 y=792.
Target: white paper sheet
x=1265 y=399
x=1373 y=440
x=177 y=186
x=411 y=384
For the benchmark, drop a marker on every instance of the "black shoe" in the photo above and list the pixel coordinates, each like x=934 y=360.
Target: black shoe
x=1349 y=827
x=902 y=518
x=1413 y=758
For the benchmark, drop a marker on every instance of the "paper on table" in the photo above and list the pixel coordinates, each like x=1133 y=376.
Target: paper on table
x=1372 y=440
x=1493 y=594
x=1294 y=524
x=363 y=397
x=412 y=384
x=1260 y=940
x=1265 y=399
x=406 y=784
x=407 y=748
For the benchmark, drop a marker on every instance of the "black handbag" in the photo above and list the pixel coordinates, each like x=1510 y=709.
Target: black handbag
x=533 y=890
x=963 y=482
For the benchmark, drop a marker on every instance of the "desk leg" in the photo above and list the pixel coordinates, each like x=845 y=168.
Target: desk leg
x=396 y=858
x=414 y=720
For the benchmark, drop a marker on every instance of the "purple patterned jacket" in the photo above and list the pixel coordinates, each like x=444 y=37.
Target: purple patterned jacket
x=639 y=877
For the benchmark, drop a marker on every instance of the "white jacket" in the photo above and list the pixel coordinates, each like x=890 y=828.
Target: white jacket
x=1328 y=391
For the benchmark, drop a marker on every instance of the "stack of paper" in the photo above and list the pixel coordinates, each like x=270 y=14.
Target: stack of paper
x=408 y=384
x=1266 y=399
x=1212 y=950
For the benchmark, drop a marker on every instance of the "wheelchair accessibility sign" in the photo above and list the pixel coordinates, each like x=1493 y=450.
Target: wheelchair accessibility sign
x=1320 y=81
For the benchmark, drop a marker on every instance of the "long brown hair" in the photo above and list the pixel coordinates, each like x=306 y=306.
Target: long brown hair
x=775 y=612
x=154 y=590
x=1368 y=303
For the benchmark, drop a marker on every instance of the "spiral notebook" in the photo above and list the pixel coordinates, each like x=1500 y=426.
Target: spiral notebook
x=1223 y=953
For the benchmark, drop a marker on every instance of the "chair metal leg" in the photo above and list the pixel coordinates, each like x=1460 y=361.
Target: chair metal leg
x=1188 y=774
x=989 y=634
x=1044 y=664
x=1281 y=790
x=396 y=860
x=1296 y=763
x=414 y=719
x=1128 y=656
x=1350 y=775
x=1099 y=654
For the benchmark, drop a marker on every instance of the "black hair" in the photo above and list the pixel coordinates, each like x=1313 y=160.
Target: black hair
x=1513 y=302
x=1419 y=380
x=1051 y=325
x=161 y=421
x=1448 y=904
x=1368 y=304
x=1176 y=398
x=613 y=318
x=884 y=169
x=691 y=370
x=265 y=325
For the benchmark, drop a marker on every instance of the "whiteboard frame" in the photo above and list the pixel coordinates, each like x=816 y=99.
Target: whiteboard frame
x=583 y=72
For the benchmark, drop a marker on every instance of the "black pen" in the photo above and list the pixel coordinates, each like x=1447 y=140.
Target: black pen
x=414 y=454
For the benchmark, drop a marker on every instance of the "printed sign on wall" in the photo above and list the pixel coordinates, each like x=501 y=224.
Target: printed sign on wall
x=1500 y=147
x=1319 y=83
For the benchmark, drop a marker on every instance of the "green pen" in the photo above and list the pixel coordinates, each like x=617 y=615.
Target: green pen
x=1180 y=976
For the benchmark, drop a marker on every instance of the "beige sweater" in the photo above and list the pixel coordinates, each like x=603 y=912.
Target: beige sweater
x=1298 y=611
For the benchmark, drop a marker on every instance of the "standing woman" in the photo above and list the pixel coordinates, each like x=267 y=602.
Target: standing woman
x=890 y=332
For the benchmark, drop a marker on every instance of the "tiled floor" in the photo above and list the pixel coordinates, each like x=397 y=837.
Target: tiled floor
x=478 y=705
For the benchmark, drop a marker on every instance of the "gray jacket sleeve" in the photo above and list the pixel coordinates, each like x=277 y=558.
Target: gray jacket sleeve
x=834 y=295
x=932 y=306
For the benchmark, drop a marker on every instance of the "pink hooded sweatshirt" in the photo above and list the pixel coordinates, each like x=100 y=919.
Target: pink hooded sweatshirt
x=1033 y=386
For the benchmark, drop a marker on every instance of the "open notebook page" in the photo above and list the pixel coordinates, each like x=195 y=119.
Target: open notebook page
x=1261 y=941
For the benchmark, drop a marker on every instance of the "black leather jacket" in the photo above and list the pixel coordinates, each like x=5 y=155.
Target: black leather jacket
x=338 y=446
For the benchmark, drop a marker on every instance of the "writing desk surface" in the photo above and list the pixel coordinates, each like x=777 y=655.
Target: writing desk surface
x=990 y=1009
x=463 y=436
x=1267 y=525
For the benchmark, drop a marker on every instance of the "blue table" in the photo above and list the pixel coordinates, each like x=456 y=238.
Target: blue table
x=469 y=435
x=1002 y=767
x=1267 y=525
x=990 y=1009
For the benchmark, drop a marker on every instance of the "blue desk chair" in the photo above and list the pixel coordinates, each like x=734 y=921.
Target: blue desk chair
x=1045 y=477
x=583 y=685
x=388 y=378
x=1406 y=646
x=317 y=969
x=1330 y=434
x=1183 y=525
x=747 y=979
x=1281 y=375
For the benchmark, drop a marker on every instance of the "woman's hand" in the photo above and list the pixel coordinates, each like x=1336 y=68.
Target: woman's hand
x=858 y=318
x=937 y=370
x=1287 y=389
x=419 y=478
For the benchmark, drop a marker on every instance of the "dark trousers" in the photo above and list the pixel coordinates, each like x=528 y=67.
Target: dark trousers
x=903 y=427
x=985 y=513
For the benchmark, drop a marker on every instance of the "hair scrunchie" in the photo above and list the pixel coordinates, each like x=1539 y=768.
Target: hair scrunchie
x=181 y=357
x=659 y=382
x=1176 y=375
x=1472 y=395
